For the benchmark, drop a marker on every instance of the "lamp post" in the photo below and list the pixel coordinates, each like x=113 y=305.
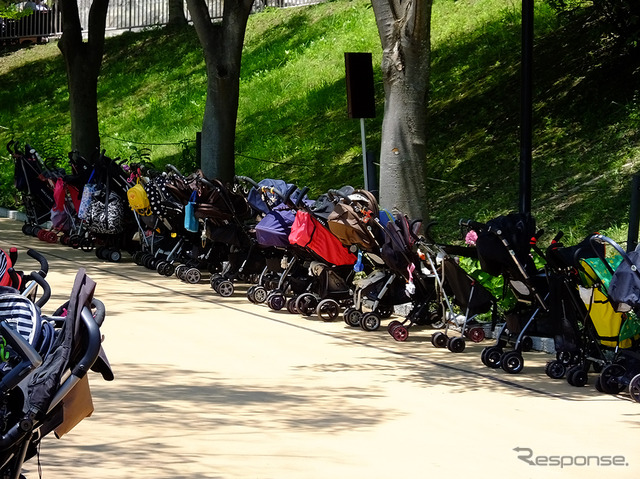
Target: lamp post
x=526 y=106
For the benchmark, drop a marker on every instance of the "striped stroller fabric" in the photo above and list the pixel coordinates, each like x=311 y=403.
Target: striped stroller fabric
x=21 y=314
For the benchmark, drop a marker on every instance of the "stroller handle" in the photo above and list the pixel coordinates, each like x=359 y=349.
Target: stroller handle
x=44 y=264
x=246 y=179
x=174 y=169
x=302 y=194
x=337 y=193
x=100 y=312
x=46 y=289
x=474 y=225
x=598 y=238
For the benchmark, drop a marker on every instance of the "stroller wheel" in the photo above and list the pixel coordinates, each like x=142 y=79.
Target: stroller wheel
x=577 y=376
x=370 y=322
x=328 y=309
x=86 y=245
x=439 y=339
x=492 y=357
x=25 y=229
x=147 y=260
x=193 y=275
x=276 y=301
x=41 y=234
x=555 y=369
x=398 y=331
x=115 y=256
x=99 y=251
x=598 y=385
x=160 y=267
x=52 y=237
x=610 y=378
x=179 y=272
x=456 y=344
x=169 y=269
x=306 y=304
x=512 y=362
x=250 y=291
x=225 y=288
x=291 y=305
x=476 y=335
x=352 y=317
x=565 y=357
x=634 y=388
x=260 y=294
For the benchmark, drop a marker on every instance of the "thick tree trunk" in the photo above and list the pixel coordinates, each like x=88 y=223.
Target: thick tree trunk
x=83 y=61
x=222 y=44
x=176 y=13
x=404 y=28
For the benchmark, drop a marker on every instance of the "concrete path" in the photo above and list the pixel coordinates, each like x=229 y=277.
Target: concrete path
x=211 y=387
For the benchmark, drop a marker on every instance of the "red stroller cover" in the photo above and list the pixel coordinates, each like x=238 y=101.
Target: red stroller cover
x=307 y=232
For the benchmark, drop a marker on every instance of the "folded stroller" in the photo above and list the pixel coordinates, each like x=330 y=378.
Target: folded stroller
x=229 y=222
x=46 y=390
x=471 y=299
x=617 y=288
x=330 y=263
x=504 y=247
x=284 y=276
x=35 y=191
x=358 y=223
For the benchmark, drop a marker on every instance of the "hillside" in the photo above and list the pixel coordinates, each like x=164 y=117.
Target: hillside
x=293 y=122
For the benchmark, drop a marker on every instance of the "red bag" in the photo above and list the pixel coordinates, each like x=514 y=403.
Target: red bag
x=59 y=195
x=307 y=232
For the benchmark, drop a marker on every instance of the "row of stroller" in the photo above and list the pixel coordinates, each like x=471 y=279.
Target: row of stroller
x=342 y=254
x=44 y=359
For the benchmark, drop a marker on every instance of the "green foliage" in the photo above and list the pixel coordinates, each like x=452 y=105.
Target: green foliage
x=619 y=19
x=8 y=193
x=293 y=123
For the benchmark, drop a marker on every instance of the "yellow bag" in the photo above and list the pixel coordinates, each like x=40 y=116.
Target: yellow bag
x=606 y=320
x=138 y=200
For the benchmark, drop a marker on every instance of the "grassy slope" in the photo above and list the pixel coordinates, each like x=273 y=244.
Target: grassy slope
x=293 y=123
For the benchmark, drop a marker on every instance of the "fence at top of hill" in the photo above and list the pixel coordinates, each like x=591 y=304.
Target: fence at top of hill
x=122 y=15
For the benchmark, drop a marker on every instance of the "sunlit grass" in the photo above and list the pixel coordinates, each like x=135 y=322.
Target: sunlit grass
x=293 y=122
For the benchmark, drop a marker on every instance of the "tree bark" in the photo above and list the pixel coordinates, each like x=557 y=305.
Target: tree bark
x=176 y=13
x=404 y=29
x=83 y=61
x=222 y=45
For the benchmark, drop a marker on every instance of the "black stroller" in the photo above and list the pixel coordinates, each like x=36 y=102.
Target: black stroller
x=34 y=188
x=45 y=389
x=622 y=289
x=469 y=295
x=504 y=248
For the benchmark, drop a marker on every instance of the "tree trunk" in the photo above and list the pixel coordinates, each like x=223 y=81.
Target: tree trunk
x=82 y=62
x=176 y=13
x=222 y=45
x=404 y=28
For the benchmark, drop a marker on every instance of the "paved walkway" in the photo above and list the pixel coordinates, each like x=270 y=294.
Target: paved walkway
x=210 y=387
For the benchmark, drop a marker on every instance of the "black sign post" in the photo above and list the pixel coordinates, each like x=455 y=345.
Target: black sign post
x=361 y=98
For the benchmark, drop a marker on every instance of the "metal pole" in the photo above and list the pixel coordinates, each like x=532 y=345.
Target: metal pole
x=634 y=214
x=365 y=167
x=526 y=106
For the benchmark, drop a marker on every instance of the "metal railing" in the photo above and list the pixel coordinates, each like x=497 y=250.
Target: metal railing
x=122 y=15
